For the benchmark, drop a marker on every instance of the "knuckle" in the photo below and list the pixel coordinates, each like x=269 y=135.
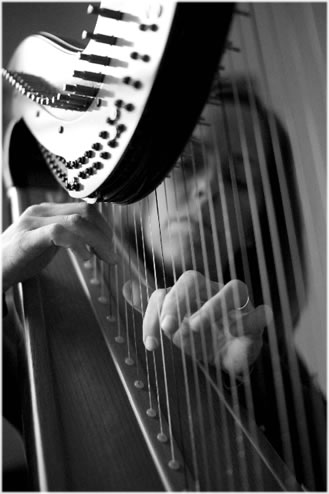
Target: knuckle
x=157 y=295
x=190 y=276
x=55 y=230
x=25 y=223
x=75 y=220
x=32 y=210
x=87 y=210
x=238 y=286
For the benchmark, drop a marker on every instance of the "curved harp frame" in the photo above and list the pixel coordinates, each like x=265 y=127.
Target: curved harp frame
x=116 y=86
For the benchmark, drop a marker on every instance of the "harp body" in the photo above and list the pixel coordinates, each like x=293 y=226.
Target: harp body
x=101 y=413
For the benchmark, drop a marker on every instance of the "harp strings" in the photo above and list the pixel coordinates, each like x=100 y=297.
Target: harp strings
x=315 y=45
x=300 y=413
x=228 y=446
x=200 y=165
x=287 y=316
x=291 y=122
x=308 y=114
x=209 y=292
x=200 y=413
x=180 y=319
x=138 y=382
x=148 y=294
x=186 y=383
x=227 y=183
x=151 y=409
x=228 y=238
x=261 y=259
x=294 y=253
x=262 y=263
x=164 y=365
x=291 y=119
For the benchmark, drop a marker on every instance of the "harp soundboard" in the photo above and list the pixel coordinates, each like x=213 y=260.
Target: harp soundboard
x=106 y=124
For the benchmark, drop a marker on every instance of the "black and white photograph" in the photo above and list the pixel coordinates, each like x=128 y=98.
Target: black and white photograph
x=164 y=246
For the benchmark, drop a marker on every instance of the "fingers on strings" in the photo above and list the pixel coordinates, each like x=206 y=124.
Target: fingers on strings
x=198 y=306
x=78 y=226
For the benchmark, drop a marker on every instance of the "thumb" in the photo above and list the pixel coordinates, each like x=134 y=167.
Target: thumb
x=137 y=295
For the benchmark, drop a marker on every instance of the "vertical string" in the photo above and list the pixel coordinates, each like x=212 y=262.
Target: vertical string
x=200 y=413
x=151 y=412
x=209 y=295
x=128 y=360
x=161 y=434
x=112 y=270
x=112 y=316
x=138 y=383
x=265 y=285
x=287 y=319
x=300 y=413
x=186 y=387
x=102 y=299
x=312 y=313
x=166 y=390
x=314 y=252
x=277 y=258
x=209 y=407
x=231 y=263
x=245 y=263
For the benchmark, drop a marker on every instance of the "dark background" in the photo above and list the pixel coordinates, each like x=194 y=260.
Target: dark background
x=22 y=19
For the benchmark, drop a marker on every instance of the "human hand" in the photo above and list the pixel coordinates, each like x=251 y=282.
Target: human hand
x=30 y=243
x=211 y=322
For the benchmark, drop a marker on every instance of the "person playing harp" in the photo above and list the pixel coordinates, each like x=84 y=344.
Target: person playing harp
x=207 y=232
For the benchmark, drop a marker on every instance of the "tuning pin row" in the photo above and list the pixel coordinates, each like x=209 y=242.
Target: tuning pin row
x=55 y=163
x=41 y=92
x=31 y=86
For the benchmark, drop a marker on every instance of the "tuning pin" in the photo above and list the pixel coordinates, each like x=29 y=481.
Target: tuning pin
x=80 y=89
x=104 y=38
x=89 y=76
x=114 y=62
x=69 y=102
x=112 y=14
x=101 y=38
x=95 y=59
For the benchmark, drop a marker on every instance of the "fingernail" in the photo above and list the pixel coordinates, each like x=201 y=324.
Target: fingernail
x=127 y=291
x=151 y=343
x=169 y=324
x=243 y=306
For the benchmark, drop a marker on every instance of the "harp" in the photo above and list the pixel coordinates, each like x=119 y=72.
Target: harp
x=102 y=413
